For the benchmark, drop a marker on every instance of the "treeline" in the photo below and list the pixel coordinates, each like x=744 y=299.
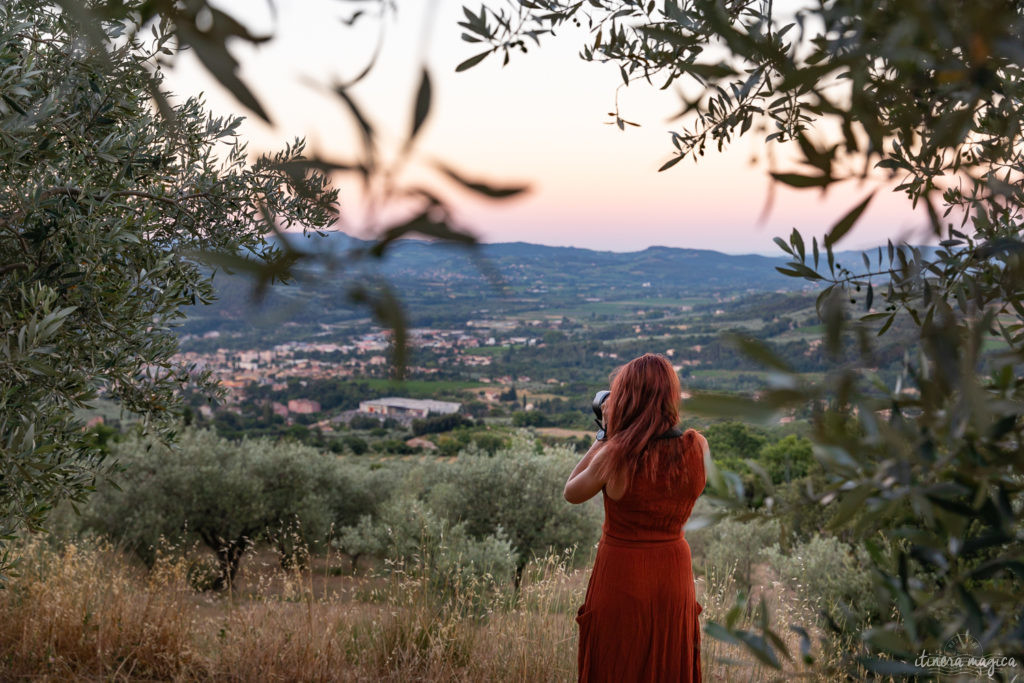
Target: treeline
x=491 y=514
x=229 y=495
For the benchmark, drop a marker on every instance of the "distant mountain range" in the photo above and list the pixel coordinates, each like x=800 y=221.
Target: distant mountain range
x=441 y=282
x=522 y=263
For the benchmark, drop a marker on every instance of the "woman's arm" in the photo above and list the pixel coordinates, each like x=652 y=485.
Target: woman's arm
x=587 y=457
x=584 y=482
x=705 y=447
x=707 y=456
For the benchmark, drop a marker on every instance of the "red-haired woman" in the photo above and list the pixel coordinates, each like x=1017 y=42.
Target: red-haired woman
x=639 y=619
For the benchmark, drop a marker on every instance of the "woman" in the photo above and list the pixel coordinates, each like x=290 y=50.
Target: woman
x=639 y=619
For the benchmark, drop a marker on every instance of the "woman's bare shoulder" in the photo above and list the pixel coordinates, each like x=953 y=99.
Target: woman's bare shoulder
x=700 y=439
x=615 y=487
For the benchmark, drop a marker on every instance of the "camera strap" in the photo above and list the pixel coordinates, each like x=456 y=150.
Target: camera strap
x=670 y=434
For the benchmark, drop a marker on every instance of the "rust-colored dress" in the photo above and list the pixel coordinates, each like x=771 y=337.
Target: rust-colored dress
x=639 y=619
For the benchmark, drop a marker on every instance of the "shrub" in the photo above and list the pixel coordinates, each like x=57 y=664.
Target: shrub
x=450 y=444
x=425 y=545
x=787 y=459
x=356 y=444
x=530 y=418
x=832 y=575
x=439 y=423
x=490 y=443
x=518 y=491
x=364 y=422
x=399 y=447
x=801 y=514
x=731 y=547
x=734 y=439
x=362 y=538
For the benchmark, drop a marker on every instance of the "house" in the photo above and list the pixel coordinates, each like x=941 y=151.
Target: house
x=303 y=406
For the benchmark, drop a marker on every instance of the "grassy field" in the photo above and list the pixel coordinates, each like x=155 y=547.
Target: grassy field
x=421 y=388
x=584 y=310
x=490 y=350
x=90 y=612
x=801 y=334
x=560 y=432
x=727 y=374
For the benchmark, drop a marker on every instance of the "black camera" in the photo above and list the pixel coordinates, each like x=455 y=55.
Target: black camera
x=599 y=398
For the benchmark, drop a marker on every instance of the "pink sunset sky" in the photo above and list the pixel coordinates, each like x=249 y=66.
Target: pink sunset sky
x=541 y=121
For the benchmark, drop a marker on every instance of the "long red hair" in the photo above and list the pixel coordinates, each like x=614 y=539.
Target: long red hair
x=643 y=404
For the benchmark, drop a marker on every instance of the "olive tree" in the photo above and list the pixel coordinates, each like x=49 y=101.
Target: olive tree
x=103 y=205
x=929 y=93
x=517 y=491
x=112 y=193
x=228 y=495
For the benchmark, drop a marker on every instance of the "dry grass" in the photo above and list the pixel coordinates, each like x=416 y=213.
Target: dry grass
x=562 y=432
x=88 y=612
x=85 y=612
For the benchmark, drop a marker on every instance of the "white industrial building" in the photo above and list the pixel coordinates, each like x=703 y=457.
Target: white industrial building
x=408 y=407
